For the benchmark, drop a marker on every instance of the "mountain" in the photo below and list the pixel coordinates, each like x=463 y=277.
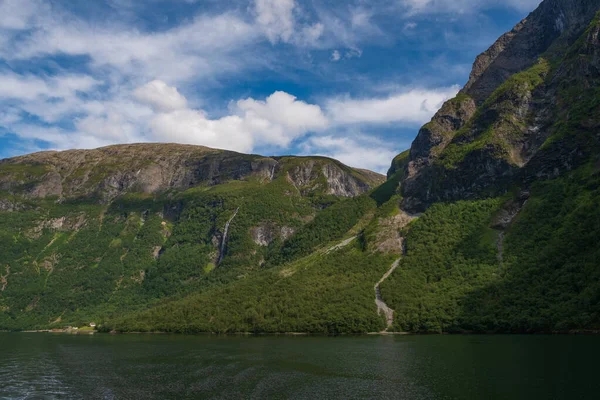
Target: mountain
x=527 y=112
x=508 y=174
x=489 y=223
x=89 y=233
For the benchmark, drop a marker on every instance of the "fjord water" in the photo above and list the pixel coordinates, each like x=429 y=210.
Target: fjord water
x=58 y=366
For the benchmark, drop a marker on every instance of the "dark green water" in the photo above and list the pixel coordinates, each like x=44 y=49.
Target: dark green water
x=57 y=366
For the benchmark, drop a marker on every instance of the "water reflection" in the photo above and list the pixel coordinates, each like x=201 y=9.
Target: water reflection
x=44 y=366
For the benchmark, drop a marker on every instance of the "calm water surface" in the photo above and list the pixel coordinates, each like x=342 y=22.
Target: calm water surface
x=57 y=366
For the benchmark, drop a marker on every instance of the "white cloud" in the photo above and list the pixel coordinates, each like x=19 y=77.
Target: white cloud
x=281 y=118
x=142 y=115
x=193 y=127
x=160 y=96
x=157 y=112
x=14 y=86
x=336 y=56
x=276 y=18
x=207 y=46
x=278 y=22
x=17 y=14
x=49 y=98
x=276 y=121
x=357 y=151
x=414 y=107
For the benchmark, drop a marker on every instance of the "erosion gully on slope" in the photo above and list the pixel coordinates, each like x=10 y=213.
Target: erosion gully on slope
x=381 y=306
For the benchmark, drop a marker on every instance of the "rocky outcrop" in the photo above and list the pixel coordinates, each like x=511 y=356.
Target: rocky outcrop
x=109 y=172
x=341 y=183
x=71 y=223
x=513 y=122
x=8 y=205
x=389 y=238
x=520 y=48
x=331 y=177
x=268 y=232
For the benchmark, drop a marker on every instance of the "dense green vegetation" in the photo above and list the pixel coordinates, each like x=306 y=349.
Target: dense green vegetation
x=550 y=279
x=449 y=251
x=77 y=261
x=452 y=279
x=328 y=293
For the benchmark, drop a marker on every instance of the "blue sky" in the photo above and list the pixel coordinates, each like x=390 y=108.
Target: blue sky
x=353 y=80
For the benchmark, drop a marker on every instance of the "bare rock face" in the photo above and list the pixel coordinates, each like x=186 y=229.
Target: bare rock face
x=509 y=211
x=304 y=175
x=332 y=178
x=389 y=239
x=511 y=121
x=267 y=233
x=341 y=183
x=112 y=171
x=7 y=205
x=71 y=223
x=520 y=48
x=436 y=135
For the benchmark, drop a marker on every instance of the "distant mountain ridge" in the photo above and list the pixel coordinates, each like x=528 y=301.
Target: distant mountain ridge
x=115 y=170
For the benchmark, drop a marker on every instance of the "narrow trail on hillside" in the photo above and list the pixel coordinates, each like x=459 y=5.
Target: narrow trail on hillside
x=381 y=306
x=341 y=245
x=225 y=232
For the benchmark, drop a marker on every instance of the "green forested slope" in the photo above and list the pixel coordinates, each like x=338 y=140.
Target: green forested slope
x=547 y=280
x=76 y=260
x=323 y=293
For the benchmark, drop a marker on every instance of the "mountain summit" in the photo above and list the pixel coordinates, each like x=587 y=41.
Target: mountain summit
x=528 y=111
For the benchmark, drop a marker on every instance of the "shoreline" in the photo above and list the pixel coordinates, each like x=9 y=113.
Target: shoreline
x=384 y=333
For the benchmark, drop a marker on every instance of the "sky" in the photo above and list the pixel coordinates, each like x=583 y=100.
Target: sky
x=352 y=80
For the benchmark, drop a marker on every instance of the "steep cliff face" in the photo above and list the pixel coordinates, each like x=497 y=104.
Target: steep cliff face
x=110 y=172
x=526 y=112
x=520 y=48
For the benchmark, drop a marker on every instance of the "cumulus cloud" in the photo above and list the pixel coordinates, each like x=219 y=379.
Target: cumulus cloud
x=276 y=121
x=281 y=118
x=354 y=150
x=144 y=116
x=414 y=107
x=160 y=96
x=193 y=127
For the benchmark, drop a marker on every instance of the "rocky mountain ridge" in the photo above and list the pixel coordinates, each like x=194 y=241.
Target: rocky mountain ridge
x=500 y=130
x=113 y=171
